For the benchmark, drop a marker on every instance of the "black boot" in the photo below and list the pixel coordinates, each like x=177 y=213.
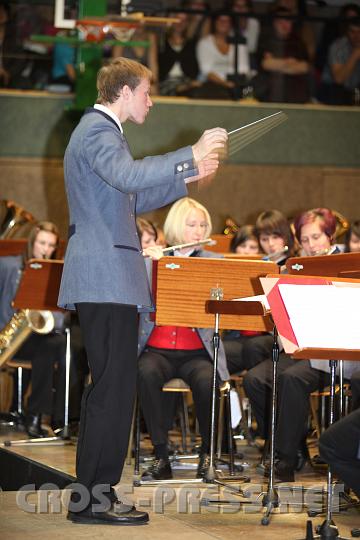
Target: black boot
x=33 y=426
x=159 y=470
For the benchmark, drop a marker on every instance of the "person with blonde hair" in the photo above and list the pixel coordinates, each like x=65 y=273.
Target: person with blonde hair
x=166 y=352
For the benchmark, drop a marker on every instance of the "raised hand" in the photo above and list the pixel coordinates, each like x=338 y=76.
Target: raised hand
x=211 y=141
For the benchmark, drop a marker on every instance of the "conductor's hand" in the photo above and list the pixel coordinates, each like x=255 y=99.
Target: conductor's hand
x=212 y=141
x=207 y=168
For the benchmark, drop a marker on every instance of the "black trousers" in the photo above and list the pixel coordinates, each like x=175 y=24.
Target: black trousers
x=156 y=367
x=110 y=337
x=340 y=448
x=258 y=387
x=355 y=390
x=47 y=383
x=246 y=352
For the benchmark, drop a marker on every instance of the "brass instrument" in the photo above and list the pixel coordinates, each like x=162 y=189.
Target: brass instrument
x=20 y=326
x=14 y=220
x=231 y=227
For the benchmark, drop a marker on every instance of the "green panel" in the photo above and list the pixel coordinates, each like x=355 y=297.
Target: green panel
x=40 y=126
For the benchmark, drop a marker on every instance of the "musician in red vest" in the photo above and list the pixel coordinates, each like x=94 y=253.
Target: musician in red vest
x=167 y=352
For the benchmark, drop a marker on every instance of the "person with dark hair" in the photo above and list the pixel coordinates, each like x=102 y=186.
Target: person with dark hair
x=352 y=238
x=147 y=232
x=245 y=242
x=247 y=349
x=341 y=75
x=315 y=231
x=273 y=232
x=340 y=447
x=44 y=351
x=104 y=276
x=248 y=27
x=283 y=63
x=216 y=57
x=178 y=65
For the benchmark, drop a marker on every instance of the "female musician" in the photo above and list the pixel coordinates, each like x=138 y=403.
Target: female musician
x=352 y=238
x=315 y=231
x=44 y=351
x=274 y=234
x=168 y=351
x=147 y=232
x=245 y=242
x=246 y=349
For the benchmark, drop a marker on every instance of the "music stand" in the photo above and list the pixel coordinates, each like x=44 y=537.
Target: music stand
x=183 y=287
x=280 y=314
x=38 y=290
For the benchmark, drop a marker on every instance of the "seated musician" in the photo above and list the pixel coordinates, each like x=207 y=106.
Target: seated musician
x=44 y=351
x=147 y=232
x=168 y=351
x=315 y=231
x=246 y=349
x=244 y=242
x=352 y=238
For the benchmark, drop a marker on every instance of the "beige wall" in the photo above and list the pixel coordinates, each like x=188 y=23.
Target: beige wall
x=238 y=191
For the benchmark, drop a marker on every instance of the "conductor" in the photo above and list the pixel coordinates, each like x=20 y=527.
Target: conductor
x=104 y=275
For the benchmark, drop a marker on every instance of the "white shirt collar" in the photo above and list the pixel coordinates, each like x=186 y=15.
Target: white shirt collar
x=109 y=112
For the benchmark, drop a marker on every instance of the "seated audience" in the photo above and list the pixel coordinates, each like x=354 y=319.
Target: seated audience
x=178 y=66
x=248 y=27
x=166 y=352
x=216 y=57
x=198 y=24
x=283 y=63
x=341 y=75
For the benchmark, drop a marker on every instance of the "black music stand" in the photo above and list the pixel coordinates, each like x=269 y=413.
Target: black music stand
x=328 y=529
x=38 y=290
x=250 y=309
x=183 y=285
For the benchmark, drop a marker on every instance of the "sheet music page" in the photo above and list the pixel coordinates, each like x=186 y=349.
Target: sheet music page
x=323 y=315
x=257 y=298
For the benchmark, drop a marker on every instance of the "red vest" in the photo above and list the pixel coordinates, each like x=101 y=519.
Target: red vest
x=175 y=337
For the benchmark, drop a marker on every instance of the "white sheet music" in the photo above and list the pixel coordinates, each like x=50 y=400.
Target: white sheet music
x=323 y=316
x=257 y=298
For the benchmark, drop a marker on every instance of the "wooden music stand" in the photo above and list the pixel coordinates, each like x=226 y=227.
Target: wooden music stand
x=323 y=265
x=332 y=355
x=38 y=290
x=12 y=247
x=184 y=286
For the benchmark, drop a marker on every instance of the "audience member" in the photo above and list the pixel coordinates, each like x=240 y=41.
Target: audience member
x=248 y=27
x=198 y=23
x=283 y=63
x=178 y=66
x=341 y=75
x=216 y=57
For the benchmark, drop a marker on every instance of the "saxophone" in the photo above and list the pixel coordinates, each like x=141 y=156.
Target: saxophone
x=20 y=326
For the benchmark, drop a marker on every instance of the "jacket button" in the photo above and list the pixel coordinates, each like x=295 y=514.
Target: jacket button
x=179 y=168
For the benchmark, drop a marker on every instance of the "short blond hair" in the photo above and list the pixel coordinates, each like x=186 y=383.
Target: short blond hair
x=116 y=74
x=174 y=226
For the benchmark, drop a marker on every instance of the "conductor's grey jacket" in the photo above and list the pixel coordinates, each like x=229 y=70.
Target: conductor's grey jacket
x=106 y=188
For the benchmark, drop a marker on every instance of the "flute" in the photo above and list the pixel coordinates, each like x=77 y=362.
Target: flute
x=191 y=244
x=276 y=254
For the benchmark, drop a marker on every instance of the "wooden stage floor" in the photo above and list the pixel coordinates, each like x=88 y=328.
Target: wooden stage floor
x=28 y=515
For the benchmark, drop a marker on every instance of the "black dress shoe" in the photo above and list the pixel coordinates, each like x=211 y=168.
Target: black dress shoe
x=33 y=426
x=283 y=471
x=118 y=514
x=302 y=456
x=204 y=462
x=159 y=470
